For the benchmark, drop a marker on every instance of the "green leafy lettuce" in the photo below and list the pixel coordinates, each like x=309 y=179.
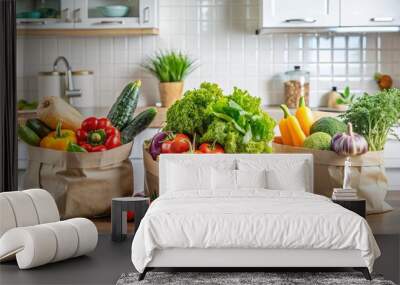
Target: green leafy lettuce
x=239 y=124
x=188 y=115
x=236 y=121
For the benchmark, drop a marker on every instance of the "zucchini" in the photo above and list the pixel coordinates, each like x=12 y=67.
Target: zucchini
x=122 y=110
x=40 y=128
x=28 y=136
x=138 y=124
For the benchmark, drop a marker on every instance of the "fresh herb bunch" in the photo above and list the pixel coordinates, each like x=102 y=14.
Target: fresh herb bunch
x=374 y=116
x=170 y=66
x=345 y=98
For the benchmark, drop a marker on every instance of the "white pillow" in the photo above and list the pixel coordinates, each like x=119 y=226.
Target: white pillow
x=224 y=179
x=251 y=178
x=292 y=179
x=281 y=174
x=182 y=177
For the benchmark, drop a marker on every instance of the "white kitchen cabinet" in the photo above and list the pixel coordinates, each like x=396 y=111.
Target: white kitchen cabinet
x=148 y=13
x=86 y=14
x=55 y=14
x=300 y=13
x=370 y=13
x=142 y=13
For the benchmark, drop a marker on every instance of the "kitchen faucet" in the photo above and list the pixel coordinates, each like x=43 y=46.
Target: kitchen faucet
x=70 y=91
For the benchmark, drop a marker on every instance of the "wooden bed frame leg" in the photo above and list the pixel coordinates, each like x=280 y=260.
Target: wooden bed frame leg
x=143 y=274
x=365 y=272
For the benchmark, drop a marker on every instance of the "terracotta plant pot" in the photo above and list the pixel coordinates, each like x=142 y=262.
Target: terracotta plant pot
x=170 y=92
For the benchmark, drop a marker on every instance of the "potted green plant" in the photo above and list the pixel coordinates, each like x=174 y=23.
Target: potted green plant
x=171 y=68
x=340 y=101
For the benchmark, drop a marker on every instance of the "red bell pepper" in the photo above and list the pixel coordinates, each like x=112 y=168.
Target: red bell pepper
x=98 y=148
x=103 y=123
x=81 y=135
x=112 y=141
x=86 y=146
x=89 y=124
x=98 y=135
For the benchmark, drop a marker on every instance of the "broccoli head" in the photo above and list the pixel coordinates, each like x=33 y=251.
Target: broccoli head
x=319 y=140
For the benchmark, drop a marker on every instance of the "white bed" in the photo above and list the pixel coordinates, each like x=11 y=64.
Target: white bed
x=238 y=211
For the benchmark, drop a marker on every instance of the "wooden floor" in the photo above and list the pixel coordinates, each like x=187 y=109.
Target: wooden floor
x=104 y=225
x=387 y=223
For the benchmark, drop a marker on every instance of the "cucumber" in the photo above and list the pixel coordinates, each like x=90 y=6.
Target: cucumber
x=122 y=110
x=40 y=128
x=138 y=124
x=28 y=136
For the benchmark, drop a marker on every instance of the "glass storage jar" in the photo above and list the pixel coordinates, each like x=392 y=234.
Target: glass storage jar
x=297 y=84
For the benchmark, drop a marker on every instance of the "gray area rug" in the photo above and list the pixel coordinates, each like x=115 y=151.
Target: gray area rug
x=243 y=278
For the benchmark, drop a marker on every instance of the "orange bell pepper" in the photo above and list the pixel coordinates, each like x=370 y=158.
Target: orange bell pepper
x=59 y=139
x=296 y=133
x=304 y=116
x=285 y=133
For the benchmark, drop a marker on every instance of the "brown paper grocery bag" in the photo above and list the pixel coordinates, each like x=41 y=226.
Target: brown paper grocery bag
x=151 y=179
x=82 y=184
x=367 y=174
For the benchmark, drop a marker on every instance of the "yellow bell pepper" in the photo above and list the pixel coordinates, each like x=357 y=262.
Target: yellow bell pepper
x=296 y=133
x=285 y=133
x=304 y=116
x=59 y=139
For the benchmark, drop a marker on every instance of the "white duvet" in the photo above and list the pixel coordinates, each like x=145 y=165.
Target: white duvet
x=250 y=219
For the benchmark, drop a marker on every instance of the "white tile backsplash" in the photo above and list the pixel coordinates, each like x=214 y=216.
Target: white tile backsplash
x=220 y=34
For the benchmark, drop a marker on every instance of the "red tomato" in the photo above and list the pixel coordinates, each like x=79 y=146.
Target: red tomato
x=166 y=147
x=103 y=123
x=90 y=124
x=211 y=148
x=130 y=215
x=181 y=143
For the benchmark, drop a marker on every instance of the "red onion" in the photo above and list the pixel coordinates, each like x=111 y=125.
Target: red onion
x=155 y=145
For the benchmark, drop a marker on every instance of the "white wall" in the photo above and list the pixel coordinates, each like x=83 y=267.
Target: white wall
x=220 y=33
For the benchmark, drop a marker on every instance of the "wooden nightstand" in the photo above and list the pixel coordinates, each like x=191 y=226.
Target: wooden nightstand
x=358 y=206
